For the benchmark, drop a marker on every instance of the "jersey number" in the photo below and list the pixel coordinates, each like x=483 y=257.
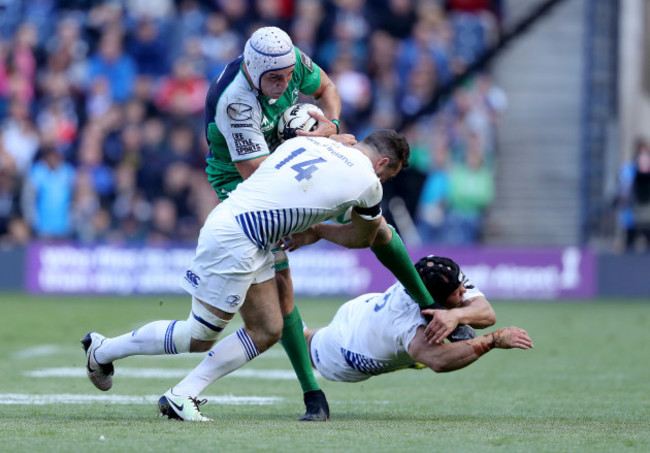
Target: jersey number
x=305 y=168
x=377 y=306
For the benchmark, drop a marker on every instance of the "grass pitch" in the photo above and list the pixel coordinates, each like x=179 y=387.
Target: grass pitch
x=584 y=388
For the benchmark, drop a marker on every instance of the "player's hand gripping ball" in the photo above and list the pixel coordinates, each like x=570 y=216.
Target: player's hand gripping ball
x=295 y=118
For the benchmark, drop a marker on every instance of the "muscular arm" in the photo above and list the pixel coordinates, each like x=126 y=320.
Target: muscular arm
x=360 y=233
x=328 y=99
x=447 y=357
x=248 y=167
x=476 y=312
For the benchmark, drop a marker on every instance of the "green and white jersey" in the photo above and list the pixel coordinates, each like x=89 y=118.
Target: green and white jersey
x=241 y=122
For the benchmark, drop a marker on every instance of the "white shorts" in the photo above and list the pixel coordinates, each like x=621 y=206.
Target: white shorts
x=325 y=350
x=226 y=263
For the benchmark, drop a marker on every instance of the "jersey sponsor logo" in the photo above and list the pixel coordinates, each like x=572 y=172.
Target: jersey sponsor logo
x=239 y=112
x=192 y=278
x=306 y=61
x=237 y=125
x=232 y=300
x=267 y=124
x=245 y=146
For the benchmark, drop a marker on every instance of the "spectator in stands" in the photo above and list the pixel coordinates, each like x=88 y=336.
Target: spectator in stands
x=432 y=205
x=349 y=24
x=183 y=92
x=640 y=196
x=85 y=206
x=155 y=156
x=71 y=49
x=149 y=49
x=22 y=61
x=164 y=221
x=20 y=137
x=219 y=44
x=113 y=64
x=9 y=199
x=398 y=20
x=471 y=190
x=90 y=161
x=49 y=195
x=354 y=89
x=131 y=210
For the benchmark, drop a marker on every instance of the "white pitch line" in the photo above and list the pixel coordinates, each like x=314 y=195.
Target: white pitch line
x=50 y=349
x=68 y=398
x=154 y=373
x=36 y=351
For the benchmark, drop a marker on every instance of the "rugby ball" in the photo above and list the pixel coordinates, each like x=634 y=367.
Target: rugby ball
x=295 y=118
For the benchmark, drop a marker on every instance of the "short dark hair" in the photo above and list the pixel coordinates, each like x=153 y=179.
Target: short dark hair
x=441 y=276
x=391 y=144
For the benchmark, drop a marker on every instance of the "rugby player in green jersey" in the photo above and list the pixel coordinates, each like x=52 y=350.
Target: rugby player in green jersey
x=243 y=106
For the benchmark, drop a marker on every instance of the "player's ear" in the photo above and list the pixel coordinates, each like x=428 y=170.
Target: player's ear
x=381 y=163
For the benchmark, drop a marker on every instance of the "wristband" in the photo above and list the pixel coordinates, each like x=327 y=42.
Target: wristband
x=337 y=124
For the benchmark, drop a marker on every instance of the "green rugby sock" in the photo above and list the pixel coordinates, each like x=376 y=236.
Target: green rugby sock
x=295 y=345
x=396 y=259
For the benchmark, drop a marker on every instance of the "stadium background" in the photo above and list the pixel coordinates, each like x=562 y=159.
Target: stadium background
x=522 y=116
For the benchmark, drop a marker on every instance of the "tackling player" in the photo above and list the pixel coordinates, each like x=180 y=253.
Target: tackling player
x=305 y=182
x=379 y=333
x=243 y=107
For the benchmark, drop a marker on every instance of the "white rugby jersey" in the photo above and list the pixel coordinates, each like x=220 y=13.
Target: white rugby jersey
x=370 y=335
x=304 y=182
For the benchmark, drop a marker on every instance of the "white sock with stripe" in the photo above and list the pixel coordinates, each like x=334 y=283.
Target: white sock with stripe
x=155 y=338
x=228 y=355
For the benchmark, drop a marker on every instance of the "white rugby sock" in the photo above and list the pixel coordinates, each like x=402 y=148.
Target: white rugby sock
x=228 y=355
x=155 y=338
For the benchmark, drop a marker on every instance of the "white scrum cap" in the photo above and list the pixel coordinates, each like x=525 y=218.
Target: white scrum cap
x=268 y=49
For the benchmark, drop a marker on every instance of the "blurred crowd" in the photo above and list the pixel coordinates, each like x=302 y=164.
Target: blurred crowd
x=633 y=199
x=101 y=107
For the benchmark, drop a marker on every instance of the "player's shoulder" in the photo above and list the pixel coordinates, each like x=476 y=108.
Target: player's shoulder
x=239 y=90
x=239 y=102
x=303 y=61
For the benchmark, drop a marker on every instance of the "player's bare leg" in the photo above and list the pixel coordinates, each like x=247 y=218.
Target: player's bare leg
x=262 y=329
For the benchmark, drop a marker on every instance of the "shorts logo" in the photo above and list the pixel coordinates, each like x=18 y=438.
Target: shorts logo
x=192 y=278
x=240 y=112
x=232 y=300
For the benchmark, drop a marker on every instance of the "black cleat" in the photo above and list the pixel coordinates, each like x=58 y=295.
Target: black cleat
x=100 y=375
x=317 y=408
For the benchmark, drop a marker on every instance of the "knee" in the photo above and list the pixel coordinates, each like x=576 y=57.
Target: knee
x=266 y=336
x=200 y=345
x=273 y=334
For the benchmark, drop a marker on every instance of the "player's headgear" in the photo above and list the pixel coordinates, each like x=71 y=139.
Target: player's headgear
x=268 y=49
x=441 y=276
